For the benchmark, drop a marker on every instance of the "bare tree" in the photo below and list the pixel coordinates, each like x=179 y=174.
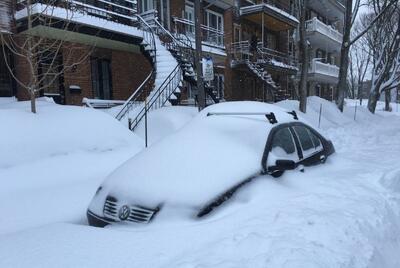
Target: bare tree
x=303 y=49
x=40 y=54
x=352 y=9
x=384 y=42
x=360 y=59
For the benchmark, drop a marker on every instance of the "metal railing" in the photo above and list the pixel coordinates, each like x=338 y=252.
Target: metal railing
x=123 y=12
x=210 y=35
x=279 y=5
x=242 y=51
x=158 y=98
x=141 y=92
x=316 y=25
x=137 y=98
x=179 y=43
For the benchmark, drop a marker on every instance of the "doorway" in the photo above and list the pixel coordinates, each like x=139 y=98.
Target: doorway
x=101 y=79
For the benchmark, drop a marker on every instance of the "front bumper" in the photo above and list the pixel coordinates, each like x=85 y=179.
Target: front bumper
x=97 y=221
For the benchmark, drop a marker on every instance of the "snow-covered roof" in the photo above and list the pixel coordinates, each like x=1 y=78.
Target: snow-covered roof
x=199 y=162
x=261 y=7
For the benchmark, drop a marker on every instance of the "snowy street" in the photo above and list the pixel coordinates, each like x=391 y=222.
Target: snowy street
x=345 y=213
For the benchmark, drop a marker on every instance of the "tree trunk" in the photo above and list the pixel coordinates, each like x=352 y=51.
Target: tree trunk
x=344 y=56
x=372 y=101
x=387 y=100
x=304 y=59
x=33 y=101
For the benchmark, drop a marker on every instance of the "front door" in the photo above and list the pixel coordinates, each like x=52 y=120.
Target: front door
x=101 y=79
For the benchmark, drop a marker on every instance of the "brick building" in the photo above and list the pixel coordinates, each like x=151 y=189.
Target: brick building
x=252 y=44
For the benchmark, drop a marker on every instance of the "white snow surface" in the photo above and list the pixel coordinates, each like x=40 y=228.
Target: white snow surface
x=345 y=213
x=54 y=160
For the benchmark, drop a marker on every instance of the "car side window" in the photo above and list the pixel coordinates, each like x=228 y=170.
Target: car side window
x=282 y=147
x=310 y=144
x=316 y=141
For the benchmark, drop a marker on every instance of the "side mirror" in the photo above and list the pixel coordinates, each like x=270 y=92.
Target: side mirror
x=285 y=165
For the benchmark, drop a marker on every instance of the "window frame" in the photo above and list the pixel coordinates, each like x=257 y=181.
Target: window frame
x=312 y=141
x=306 y=161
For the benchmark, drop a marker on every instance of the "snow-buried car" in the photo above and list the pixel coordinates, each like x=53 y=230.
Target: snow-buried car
x=199 y=167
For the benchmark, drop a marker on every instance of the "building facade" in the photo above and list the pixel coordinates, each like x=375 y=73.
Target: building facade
x=252 y=45
x=324 y=31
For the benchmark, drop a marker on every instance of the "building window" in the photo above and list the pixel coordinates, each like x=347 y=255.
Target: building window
x=237 y=33
x=101 y=79
x=189 y=16
x=146 y=5
x=219 y=85
x=215 y=23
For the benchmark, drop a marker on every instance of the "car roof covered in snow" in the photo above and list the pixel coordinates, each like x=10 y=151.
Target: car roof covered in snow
x=204 y=159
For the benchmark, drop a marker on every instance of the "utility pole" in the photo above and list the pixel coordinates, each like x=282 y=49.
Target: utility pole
x=199 y=57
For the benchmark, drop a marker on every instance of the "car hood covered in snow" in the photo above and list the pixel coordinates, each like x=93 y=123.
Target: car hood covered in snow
x=196 y=164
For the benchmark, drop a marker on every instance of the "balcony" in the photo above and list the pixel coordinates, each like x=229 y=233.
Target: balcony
x=272 y=13
x=323 y=72
x=323 y=36
x=279 y=61
x=121 y=11
x=210 y=36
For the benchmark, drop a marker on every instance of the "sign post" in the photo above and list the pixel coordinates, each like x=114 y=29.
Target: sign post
x=208 y=69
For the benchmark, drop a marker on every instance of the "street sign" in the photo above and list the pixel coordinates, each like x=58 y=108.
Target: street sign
x=208 y=69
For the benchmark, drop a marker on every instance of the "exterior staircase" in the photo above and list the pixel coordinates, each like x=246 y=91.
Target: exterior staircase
x=162 y=85
x=276 y=91
x=172 y=56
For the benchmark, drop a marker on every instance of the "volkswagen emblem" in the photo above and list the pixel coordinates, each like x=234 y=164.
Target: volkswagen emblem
x=124 y=212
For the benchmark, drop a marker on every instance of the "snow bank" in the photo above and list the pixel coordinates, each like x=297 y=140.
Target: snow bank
x=56 y=130
x=52 y=162
x=341 y=214
x=165 y=121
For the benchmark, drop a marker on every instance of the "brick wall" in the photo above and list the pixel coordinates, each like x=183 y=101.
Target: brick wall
x=80 y=75
x=128 y=70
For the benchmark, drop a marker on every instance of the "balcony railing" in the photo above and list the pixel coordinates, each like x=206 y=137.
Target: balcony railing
x=319 y=67
x=210 y=36
x=121 y=11
x=277 y=4
x=315 y=25
x=241 y=51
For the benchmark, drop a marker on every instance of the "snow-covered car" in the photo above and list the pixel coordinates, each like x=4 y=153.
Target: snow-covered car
x=196 y=169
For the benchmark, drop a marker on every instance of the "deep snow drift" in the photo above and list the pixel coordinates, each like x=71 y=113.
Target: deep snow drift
x=52 y=162
x=345 y=213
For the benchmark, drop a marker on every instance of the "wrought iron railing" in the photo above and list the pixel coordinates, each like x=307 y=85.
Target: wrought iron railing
x=243 y=51
x=210 y=35
x=123 y=11
x=181 y=44
x=159 y=97
x=146 y=86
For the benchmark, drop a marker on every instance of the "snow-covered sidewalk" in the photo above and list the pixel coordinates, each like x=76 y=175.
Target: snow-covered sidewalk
x=345 y=213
